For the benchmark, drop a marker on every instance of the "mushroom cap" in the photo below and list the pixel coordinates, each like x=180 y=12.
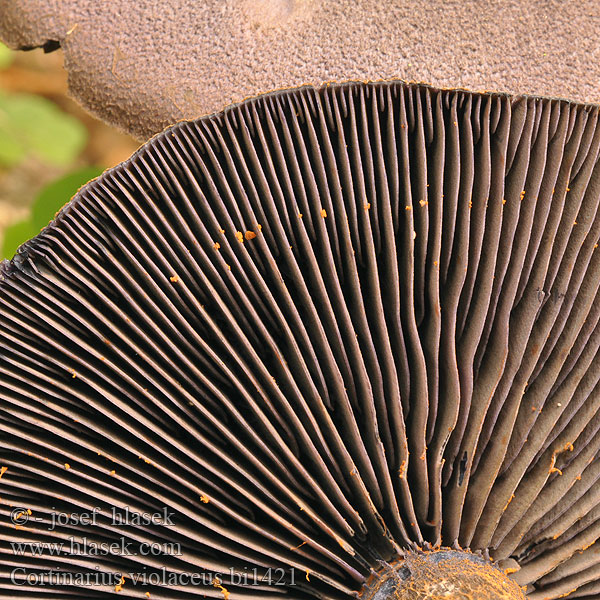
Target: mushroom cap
x=144 y=65
x=314 y=333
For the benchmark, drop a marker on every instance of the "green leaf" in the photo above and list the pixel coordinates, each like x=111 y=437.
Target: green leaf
x=33 y=125
x=6 y=56
x=11 y=151
x=57 y=193
x=49 y=201
x=15 y=235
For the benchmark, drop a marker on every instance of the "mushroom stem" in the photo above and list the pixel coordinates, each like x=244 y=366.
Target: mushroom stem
x=441 y=575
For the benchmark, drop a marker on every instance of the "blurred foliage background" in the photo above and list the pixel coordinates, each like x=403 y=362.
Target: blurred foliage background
x=49 y=146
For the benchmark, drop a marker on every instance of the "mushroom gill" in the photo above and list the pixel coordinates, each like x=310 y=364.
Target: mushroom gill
x=334 y=341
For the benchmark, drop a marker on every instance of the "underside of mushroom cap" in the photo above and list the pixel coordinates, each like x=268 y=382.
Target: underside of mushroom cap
x=314 y=332
x=144 y=65
x=443 y=574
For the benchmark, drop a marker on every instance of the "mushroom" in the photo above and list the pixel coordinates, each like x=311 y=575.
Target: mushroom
x=330 y=342
x=144 y=65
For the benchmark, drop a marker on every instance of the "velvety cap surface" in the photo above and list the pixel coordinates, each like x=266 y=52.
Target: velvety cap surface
x=143 y=65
